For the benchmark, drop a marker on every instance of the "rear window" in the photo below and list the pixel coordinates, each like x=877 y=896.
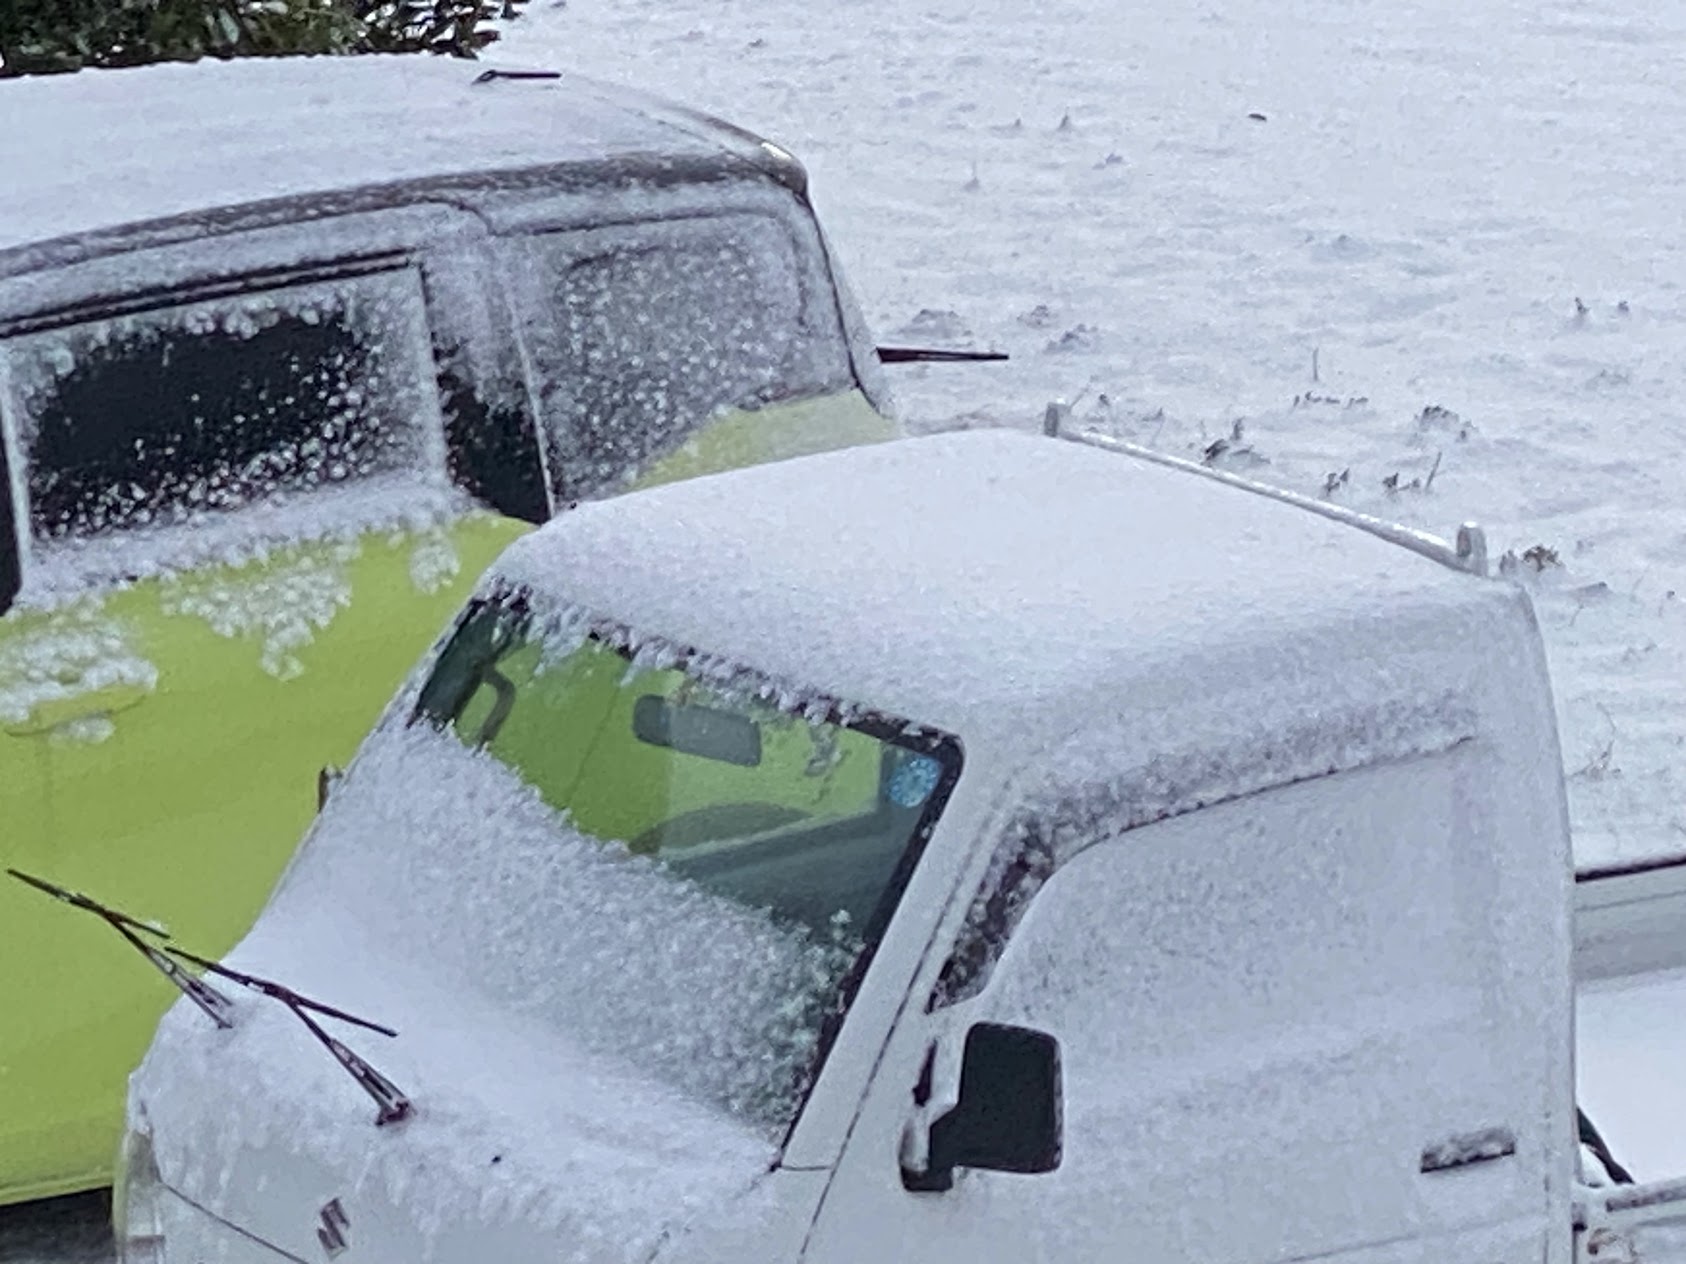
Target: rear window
x=660 y=327
x=158 y=417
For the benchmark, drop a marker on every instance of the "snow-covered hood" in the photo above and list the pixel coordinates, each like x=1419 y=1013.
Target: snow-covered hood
x=575 y=1033
x=518 y=1149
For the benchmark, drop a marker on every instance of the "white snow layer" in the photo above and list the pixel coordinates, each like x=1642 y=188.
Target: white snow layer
x=217 y=134
x=932 y=580
x=1440 y=276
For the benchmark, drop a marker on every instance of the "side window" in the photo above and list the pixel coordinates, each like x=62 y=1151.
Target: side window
x=656 y=328
x=158 y=417
x=493 y=448
x=491 y=438
x=1300 y=986
x=10 y=568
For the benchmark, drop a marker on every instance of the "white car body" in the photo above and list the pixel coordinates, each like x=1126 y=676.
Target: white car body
x=1260 y=818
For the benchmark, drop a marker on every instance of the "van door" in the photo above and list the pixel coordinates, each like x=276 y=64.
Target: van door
x=240 y=533
x=23 y=747
x=1284 y=1034
x=26 y=840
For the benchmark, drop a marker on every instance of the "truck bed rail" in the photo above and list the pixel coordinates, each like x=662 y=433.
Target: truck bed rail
x=1468 y=553
x=1631 y=1224
x=1630 y=920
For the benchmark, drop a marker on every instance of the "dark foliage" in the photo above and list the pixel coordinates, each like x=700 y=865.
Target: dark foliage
x=38 y=36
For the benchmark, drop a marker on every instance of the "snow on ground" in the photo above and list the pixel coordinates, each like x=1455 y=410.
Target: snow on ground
x=1442 y=271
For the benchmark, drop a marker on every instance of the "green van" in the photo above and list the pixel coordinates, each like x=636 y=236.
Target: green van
x=289 y=351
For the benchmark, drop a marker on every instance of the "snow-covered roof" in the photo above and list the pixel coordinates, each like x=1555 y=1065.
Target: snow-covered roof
x=1016 y=589
x=104 y=148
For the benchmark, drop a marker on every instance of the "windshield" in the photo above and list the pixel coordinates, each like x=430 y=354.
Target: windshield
x=776 y=840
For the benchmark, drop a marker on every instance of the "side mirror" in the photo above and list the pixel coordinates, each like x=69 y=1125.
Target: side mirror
x=1009 y=1116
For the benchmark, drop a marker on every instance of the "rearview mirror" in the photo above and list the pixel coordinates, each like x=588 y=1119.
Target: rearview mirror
x=1009 y=1116
x=705 y=732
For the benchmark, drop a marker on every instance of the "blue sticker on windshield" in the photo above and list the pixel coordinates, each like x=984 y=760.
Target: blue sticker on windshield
x=911 y=784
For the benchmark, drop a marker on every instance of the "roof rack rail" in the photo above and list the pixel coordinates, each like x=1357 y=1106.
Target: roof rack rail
x=1468 y=554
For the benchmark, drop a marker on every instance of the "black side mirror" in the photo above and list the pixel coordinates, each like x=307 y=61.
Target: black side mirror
x=1009 y=1118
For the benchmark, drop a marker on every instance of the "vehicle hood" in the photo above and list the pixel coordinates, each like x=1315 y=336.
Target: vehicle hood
x=568 y=1089
x=517 y=1148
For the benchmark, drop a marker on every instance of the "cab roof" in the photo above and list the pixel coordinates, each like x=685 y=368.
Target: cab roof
x=1019 y=590
x=101 y=149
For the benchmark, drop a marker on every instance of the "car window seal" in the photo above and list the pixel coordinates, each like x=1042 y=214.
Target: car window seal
x=209 y=289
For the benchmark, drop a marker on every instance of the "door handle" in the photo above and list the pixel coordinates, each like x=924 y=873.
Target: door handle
x=1468 y=1148
x=50 y=713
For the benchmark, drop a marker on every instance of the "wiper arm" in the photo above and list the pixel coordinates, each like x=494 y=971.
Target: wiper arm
x=928 y=355
x=214 y=1003
x=392 y=1102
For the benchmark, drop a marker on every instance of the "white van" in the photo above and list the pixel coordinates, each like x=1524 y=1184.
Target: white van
x=972 y=848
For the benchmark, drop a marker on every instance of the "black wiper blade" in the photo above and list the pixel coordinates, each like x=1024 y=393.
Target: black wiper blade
x=217 y=1006
x=394 y=1105
x=490 y=76
x=934 y=355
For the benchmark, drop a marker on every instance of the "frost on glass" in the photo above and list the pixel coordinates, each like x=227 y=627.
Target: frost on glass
x=163 y=417
x=717 y=1000
x=656 y=335
x=1088 y=796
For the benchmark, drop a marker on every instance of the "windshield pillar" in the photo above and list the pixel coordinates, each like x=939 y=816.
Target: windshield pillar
x=11 y=543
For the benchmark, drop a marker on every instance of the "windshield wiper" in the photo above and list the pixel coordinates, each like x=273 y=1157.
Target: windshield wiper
x=392 y=1102
x=930 y=355
x=214 y=1003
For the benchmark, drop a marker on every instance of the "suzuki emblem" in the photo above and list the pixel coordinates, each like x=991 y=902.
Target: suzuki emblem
x=335 y=1225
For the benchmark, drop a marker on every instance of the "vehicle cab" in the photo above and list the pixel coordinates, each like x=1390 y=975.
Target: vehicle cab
x=978 y=847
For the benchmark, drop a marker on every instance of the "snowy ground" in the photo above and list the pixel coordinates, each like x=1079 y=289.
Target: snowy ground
x=1441 y=275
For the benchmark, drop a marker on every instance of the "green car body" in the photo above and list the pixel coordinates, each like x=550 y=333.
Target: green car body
x=254 y=454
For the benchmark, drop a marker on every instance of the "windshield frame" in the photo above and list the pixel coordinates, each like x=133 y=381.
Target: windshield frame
x=518 y=600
